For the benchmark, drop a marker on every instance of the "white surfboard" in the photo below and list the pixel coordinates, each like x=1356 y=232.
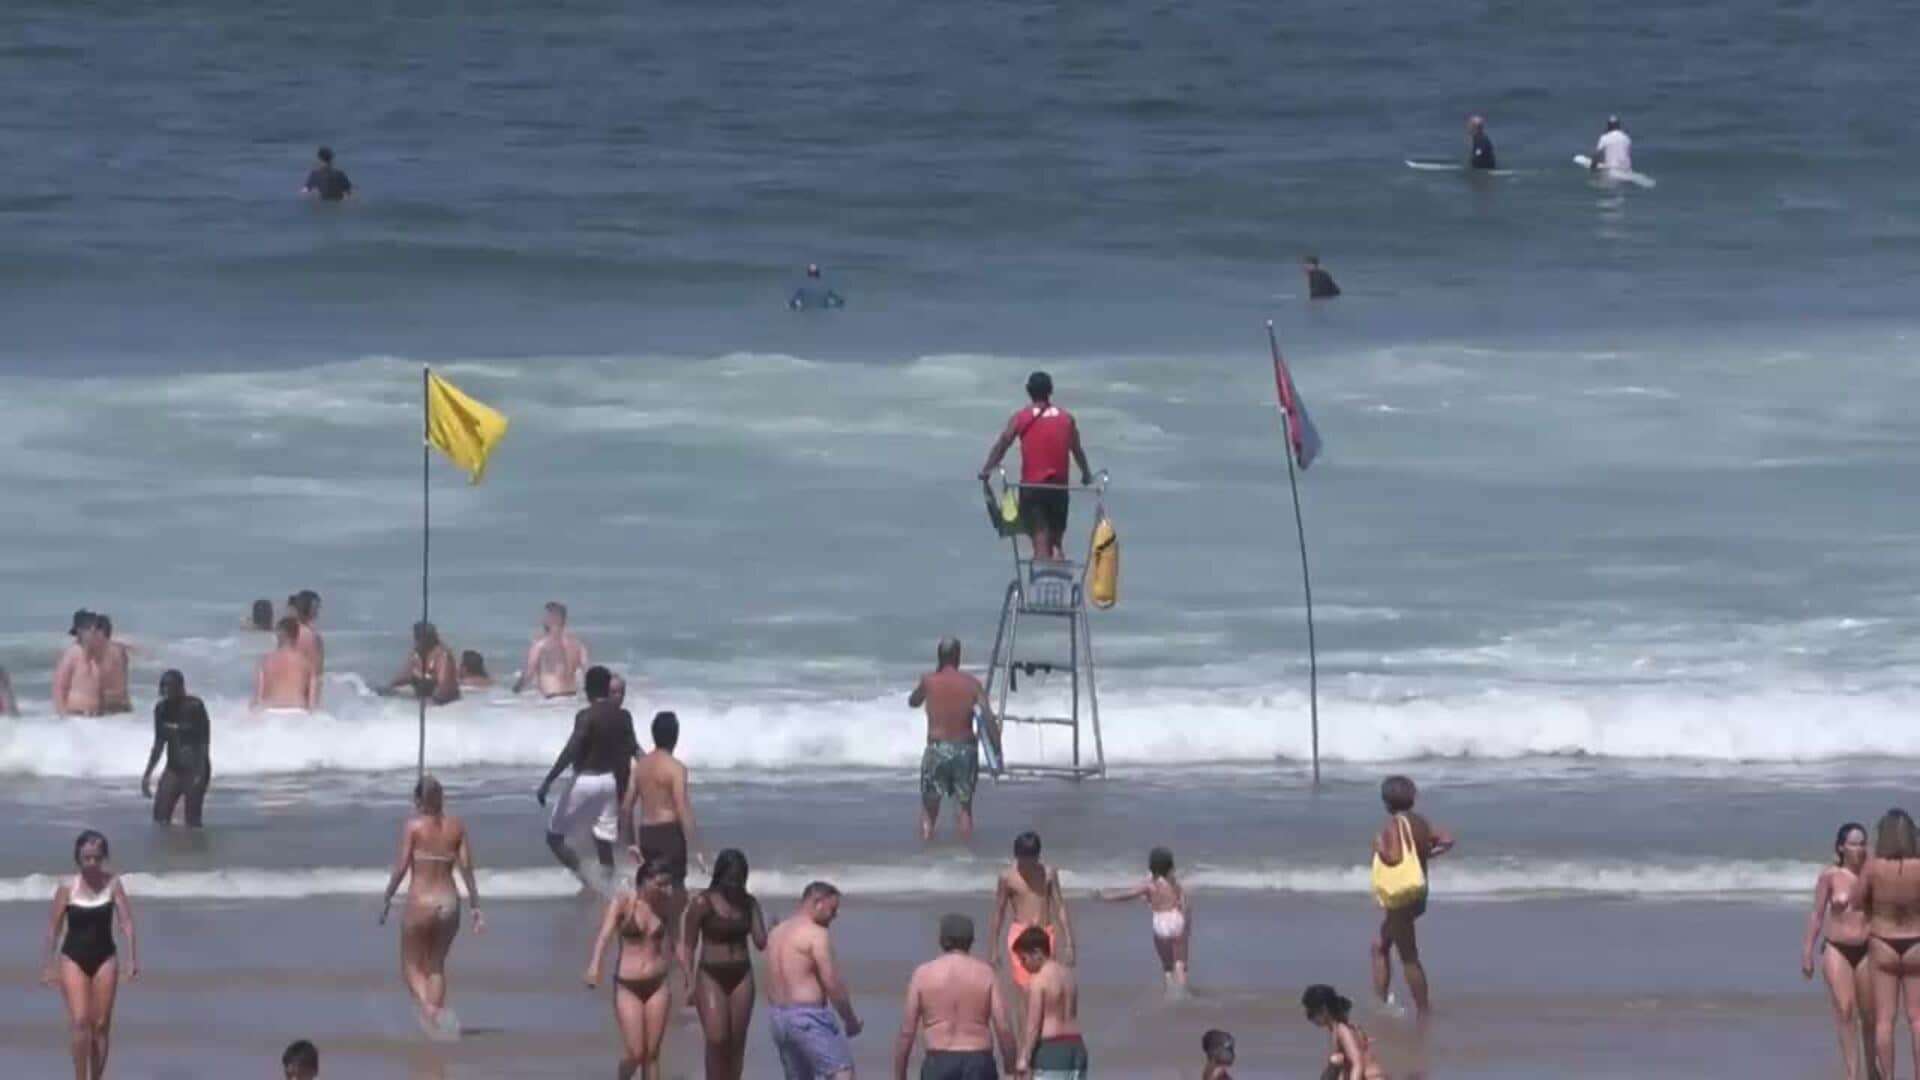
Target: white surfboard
x=1454 y=166
x=1628 y=176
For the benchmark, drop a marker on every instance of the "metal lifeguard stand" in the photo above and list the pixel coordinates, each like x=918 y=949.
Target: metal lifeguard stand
x=1052 y=592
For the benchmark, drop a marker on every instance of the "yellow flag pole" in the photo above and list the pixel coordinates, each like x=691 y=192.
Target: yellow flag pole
x=426 y=537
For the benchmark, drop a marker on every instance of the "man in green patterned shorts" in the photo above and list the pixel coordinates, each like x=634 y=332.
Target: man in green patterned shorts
x=951 y=763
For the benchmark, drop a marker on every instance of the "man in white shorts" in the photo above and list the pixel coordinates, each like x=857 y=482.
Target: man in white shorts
x=600 y=751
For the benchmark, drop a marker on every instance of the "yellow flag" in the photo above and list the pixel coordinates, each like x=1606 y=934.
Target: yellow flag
x=461 y=427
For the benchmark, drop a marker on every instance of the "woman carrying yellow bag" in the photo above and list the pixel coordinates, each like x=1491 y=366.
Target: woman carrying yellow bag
x=1400 y=852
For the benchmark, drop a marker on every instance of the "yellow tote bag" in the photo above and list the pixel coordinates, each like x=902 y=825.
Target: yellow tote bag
x=1404 y=882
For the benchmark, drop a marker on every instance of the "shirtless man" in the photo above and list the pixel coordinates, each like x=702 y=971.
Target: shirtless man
x=286 y=679
x=600 y=754
x=657 y=784
x=305 y=606
x=182 y=732
x=557 y=658
x=76 y=678
x=1030 y=890
x=115 y=695
x=956 y=999
x=1051 y=1047
x=950 y=766
x=804 y=991
x=1397 y=924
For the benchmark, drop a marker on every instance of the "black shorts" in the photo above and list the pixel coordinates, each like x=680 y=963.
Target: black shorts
x=1044 y=508
x=958 y=1065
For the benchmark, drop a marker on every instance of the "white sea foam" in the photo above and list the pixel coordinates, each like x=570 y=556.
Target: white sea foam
x=1502 y=879
x=1154 y=727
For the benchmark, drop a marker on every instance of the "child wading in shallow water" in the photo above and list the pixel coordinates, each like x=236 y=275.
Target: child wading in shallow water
x=1351 y=1057
x=1172 y=918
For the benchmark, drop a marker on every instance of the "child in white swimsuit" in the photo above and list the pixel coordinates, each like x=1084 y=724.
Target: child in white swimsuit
x=1172 y=918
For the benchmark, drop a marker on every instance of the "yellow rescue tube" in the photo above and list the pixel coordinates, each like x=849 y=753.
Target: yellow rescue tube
x=1104 y=575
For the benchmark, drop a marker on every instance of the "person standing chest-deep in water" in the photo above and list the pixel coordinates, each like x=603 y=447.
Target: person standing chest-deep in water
x=286 y=678
x=326 y=182
x=556 y=658
x=182 y=732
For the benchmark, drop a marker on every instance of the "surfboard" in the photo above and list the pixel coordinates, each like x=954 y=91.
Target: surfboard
x=1638 y=178
x=1454 y=166
x=989 y=743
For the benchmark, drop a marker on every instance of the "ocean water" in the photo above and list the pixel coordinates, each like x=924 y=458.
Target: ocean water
x=1611 y=543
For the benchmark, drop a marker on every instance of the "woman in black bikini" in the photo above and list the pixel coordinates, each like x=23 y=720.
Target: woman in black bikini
x=1838 y=919
x=721 y=920
x=1890 y=892
x=641 y=998
x=81 y=957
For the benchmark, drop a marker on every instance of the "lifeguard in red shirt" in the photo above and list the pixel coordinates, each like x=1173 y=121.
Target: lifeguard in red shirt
x=1047 y=434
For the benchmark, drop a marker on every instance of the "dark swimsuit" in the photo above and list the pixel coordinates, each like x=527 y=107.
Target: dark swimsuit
x=642 y=988
x=666 y=842
x=89 y=942
x=1857 y=952
x=717 y=928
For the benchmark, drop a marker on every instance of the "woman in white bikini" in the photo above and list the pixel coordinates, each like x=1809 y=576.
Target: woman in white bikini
x=1172 y=917
x=642 y=1000
x=1840 y=921
x=433 y=843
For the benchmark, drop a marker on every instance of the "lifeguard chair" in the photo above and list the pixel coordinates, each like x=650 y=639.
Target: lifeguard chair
x=1046 y=593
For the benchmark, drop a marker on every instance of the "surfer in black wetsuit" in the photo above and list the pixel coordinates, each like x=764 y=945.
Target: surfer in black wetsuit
x=181 y=731
x=814 y=294
x=1480 y=154
x=325 y=182
x=1320 y=284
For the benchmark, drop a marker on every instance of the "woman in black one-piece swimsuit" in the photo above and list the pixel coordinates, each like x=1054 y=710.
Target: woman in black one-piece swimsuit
x=81 y=957
x=721 y=919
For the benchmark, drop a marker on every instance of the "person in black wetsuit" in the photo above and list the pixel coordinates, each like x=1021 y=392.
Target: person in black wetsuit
x=182 y=731
x=600 y=752
x=82 y=960
x=1320 y=284
x=325 y=182
x=1479 y=146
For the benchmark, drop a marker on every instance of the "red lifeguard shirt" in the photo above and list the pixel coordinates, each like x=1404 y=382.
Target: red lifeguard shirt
x=1046 y=434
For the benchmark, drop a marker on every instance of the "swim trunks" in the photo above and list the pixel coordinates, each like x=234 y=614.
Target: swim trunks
x=809 y=1040
x=1064 y=1058
x=666 y=842
x=1021 y=976
x=949 y=768
x=1044 y=508
x=959 y=1065
x=587 y=797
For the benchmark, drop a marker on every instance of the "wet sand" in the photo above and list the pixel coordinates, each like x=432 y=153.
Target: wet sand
x=1570 y=988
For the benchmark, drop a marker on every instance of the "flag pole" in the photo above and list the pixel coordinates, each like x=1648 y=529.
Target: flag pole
x=426 y=541
x=1306 y=580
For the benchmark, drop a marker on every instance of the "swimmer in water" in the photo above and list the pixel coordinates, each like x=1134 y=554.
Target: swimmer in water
x=721 y=921
x=262 y=615
x=642 y=998
x=814 y=294
x=1351 y=1056
x=182 y=731
x=1479 y=146
x=430 y=672
x=301 y=1061
x=82 y=960
x=285 y=678
x=305 y=606
x=1839 y=920
x=114 y=660
x=1614 y=151
x=1320 y=285
x=1217 y=1045
x=325 y=182
x=1172 y=916
x=76 y=678
x=473 y=671
x=556 y=659
x=433 y=844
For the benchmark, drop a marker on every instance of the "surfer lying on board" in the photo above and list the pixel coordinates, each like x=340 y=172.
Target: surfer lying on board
x=950 y=766
x=1479 y=146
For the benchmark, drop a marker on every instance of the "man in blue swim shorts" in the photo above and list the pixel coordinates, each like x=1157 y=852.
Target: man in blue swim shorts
x=812 y=1013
